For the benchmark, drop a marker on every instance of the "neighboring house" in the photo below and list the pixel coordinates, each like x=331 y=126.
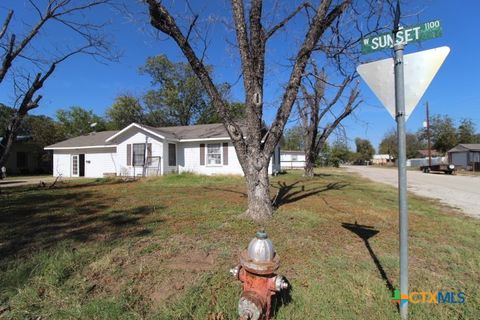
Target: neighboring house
x=292 y=159
x=140 y=150
x=382 y=159
x=464 y=155
x=27 y=157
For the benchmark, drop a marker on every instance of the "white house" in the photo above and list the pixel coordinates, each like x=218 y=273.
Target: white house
x=139 y=150
x=292 y=159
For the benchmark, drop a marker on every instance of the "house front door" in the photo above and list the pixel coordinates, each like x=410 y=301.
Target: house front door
x=75 y=166
x=81 y=165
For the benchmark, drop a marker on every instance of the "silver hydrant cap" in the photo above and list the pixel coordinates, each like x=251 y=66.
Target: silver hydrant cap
x=260 y=248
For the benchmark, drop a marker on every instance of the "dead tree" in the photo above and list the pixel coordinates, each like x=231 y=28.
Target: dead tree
x=66 y=14
x=253 y=145
x=315 y=107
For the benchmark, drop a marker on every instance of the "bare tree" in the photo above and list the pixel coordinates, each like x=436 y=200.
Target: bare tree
x=316 y=107
x=253 y=144
x=36 y=68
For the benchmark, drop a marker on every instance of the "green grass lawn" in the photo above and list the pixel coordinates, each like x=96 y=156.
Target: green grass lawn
x=161 y=249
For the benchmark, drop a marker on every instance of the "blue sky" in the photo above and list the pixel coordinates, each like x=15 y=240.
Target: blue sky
x=92 y=85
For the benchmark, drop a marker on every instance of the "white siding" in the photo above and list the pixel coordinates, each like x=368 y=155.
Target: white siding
x=61 y=163
x=292 y=160
x=99 y=161
x=135 y=135
x=188 y=159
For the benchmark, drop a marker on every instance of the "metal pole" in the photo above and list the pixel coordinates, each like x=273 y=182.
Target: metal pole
x=402 y=174
x=429 y=141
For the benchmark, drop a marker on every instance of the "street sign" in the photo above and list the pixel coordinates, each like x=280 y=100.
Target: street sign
x=405 y=35
x=419 y=70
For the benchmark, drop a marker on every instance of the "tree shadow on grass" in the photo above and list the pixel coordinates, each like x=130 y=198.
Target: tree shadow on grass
x=287 y=194
x=365 y=233
x=33 y=221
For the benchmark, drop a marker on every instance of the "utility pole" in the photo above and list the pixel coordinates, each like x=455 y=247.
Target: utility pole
x=428 y=139
x=402 y=159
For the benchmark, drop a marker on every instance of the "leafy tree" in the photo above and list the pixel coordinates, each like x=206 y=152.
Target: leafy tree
x=43 y=130
x=210 y=115
x=442 y=132
x=365 y=150
x=5 y=114
x=466 y=132
x=388 y=145
x=293 y=139
x=340 y=151
x=77 y=121
x=180 y=99
x=125 y=110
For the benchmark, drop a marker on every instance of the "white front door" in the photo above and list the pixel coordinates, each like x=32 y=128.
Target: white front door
x=75 y=170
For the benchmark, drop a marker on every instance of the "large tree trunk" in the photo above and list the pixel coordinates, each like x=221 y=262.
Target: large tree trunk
x=258 y=191
x=310 y=159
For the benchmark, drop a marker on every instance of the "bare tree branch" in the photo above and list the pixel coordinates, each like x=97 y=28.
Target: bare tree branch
x=282 y=23
x=321 y=22
x=6 y=23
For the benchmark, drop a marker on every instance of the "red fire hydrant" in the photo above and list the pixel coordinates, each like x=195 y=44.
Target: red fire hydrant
x=260 y=283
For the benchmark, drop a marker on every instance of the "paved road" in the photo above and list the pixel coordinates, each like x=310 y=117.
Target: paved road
x=462 y=192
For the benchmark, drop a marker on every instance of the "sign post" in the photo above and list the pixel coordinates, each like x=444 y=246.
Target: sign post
x=400 y=99
x=402 y=173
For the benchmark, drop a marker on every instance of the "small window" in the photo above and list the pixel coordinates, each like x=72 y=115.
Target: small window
x=138 y=154
x=214 y=155
x=172 y=154
x=21 y=159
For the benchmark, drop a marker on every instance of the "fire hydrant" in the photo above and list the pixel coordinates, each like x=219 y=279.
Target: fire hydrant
x=260 y=283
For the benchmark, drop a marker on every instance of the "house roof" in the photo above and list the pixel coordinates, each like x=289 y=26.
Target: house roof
x=200 y=131
x=180 y=133
x=95 y=139
x=466 y=147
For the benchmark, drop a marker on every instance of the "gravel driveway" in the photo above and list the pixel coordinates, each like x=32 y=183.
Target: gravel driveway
x=462 y=192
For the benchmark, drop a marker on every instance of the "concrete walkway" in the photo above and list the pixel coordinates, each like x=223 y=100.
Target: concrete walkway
x=25 y=181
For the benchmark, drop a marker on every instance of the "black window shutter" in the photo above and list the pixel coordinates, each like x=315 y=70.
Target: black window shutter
x=129 y=154
x=202 y=154
x=225 y=153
